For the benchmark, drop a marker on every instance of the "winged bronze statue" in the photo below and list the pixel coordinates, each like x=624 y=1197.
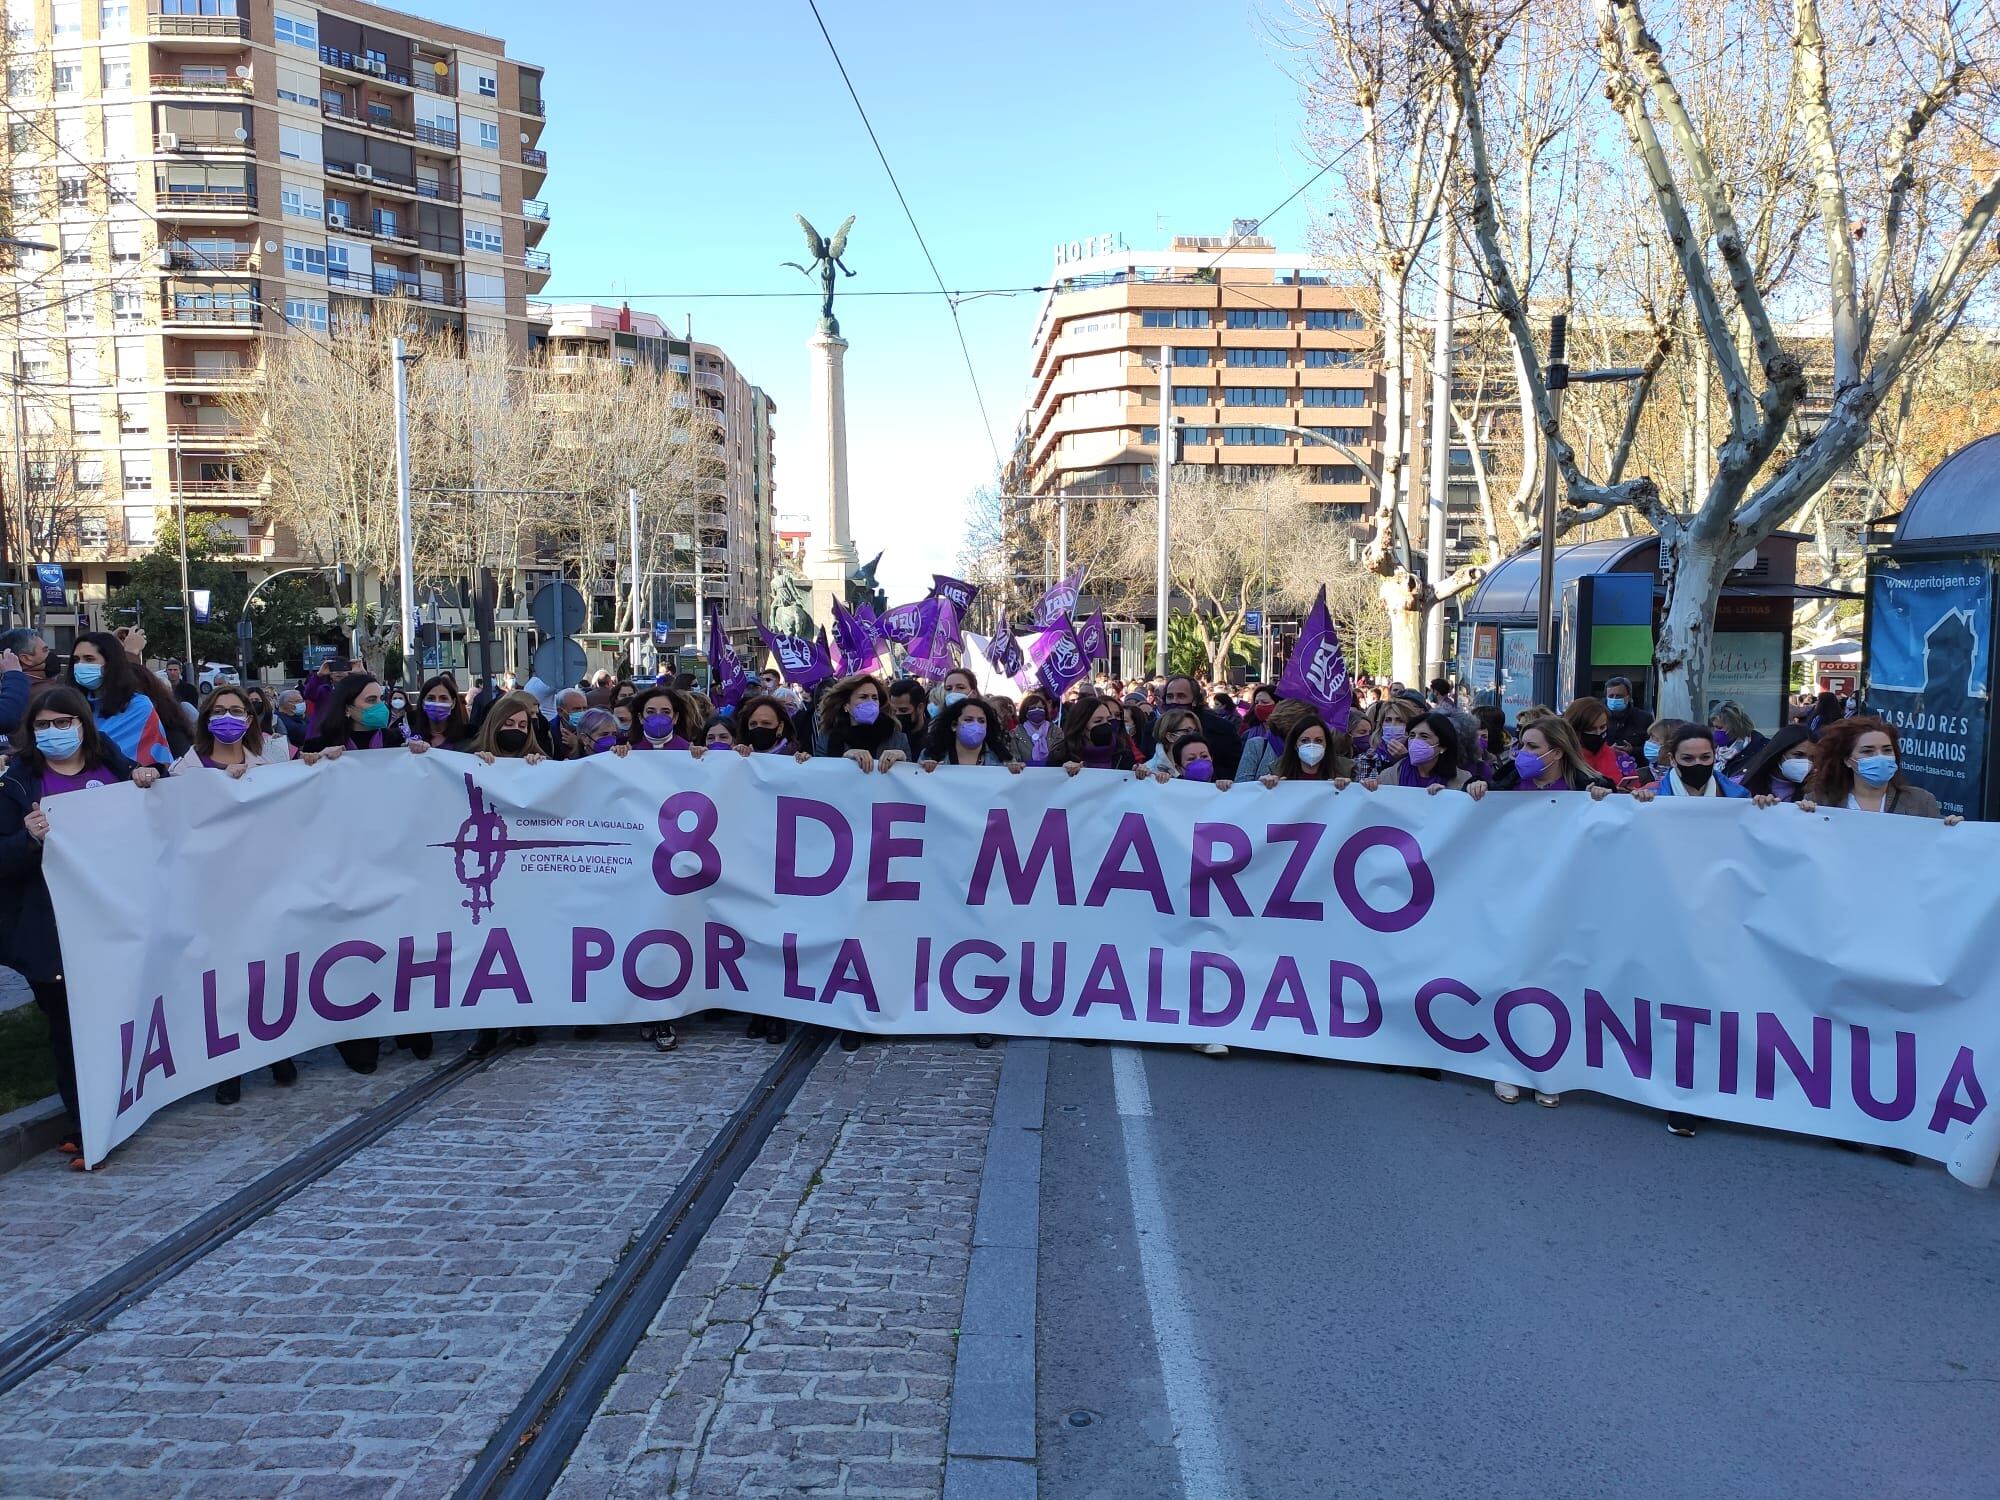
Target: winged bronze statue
x=826 y=257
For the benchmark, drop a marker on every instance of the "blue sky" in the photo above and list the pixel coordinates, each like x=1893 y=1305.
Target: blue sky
x=682 y=136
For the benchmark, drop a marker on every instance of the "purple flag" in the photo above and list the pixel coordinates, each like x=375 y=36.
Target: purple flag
x=855 y=639
x=1004 y=651
x=901 y=623
x=731 y=678
x=1092 y=638
x=1064 y=665
x=1317 y=670
x=930 y=653
x=822 y=657
x=1059 y=603
x=798 y=660
x=957 y=590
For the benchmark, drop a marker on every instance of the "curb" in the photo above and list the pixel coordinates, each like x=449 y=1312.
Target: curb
x=29 y=1131
x=990 y=1451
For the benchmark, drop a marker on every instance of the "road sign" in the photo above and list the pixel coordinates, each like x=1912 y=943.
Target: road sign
x=661 y=630
x=318 y=656
x=244 y=629
x=1253 y=621
x=560 y=661
x=557 y=609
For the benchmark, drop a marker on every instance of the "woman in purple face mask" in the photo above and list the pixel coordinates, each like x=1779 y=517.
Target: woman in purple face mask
x=966 y=733
x=1035 y=736
x=1193 y=760
x=854 y=723
x=1430 y=759
x=1549 y=759
x=660 y=715
x=437 y=720
x=599 y=734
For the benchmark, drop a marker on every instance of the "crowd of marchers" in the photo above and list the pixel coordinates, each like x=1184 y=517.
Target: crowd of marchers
x=103 y=715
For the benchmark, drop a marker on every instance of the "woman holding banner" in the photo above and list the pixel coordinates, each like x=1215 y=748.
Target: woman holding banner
x=508 y=733
x=1548 y=759
x=764 y=728
x=355 y=716
x=1093 y=738
x=854 y=723
x=438 y=719
x=1431 y=759
x=659 y=714
x=1312 y=752
x=1036 y=735
x=1858 y=766
x=58 y=750
x=964 y=735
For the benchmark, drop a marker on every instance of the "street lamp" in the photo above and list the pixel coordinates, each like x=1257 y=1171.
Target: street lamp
x=20 y=452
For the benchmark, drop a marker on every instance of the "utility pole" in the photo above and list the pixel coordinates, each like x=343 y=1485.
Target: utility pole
x=406 y=562
x=1062 y=533
x=29 y=593
x=187 y=595
x=1440 y=440
x=1164 y=464
x=632 y=518
x=1544 y=674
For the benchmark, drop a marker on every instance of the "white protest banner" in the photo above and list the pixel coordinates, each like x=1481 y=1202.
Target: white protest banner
x=1808 y=972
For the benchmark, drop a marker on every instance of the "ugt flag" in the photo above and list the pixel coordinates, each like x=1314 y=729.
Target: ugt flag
x=1059 y=603
x=930 y=652
x=798 y=660
x=731 y=679
x=902 y=623
x=1004 y=651
x=1317 y=671
x=855 y=640
x=1063 y=663
x=956 y=590
x=1091 y=636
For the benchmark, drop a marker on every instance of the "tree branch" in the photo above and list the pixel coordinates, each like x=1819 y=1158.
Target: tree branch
x=1809 y=50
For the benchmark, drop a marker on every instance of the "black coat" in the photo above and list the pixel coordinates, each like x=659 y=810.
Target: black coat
x=28 y=942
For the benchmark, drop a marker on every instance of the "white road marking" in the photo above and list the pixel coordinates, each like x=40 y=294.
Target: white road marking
x=1205 y=1471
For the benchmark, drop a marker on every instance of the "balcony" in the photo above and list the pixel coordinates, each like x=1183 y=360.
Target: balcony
x=181 y=259
x=432 y=76
x=536 y=260
x=195 y=491
x=534 y=208
x=379 y=121
x=436 y=135
x=207 y=435
x=207 y=375
x=368 y=67
x=537 y=107
x=237 y=203
x=175 y=83
x=231 y=318
x=534 y=157
x=208 y=28
x=181 y=145
x=389 y=284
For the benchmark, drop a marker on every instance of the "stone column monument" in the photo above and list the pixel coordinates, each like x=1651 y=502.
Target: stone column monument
x=832 y=560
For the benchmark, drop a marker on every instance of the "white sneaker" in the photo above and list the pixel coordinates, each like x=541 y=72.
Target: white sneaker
x=1506 y=1093
x=1547 y=1101
x=1211 y=1049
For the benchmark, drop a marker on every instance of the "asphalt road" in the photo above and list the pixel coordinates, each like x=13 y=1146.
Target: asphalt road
x=1299 y=1279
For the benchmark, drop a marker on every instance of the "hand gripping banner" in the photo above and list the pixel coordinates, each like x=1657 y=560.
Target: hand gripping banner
x=1764 y=980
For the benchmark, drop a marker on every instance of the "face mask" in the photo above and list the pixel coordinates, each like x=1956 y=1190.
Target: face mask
x=58 y=744
x=1795 y=769
x=865 y=710
x=227 y=728
x=1422 y=753
x=1651 y=751
x=932 y=709
x=971 y=734
x=1311 y=753
x=1199 y=769
x=658 y=726
x=1694 y=778
x=1262 y=712
x=1482 y=744
x=1618 y=705
x=762 y=737
x=375 y=716
x=436 y=712
x=1100 y=734
x=1531 y=766
x=88 y=673
x=1720 y=736
x=1876 y=770
x=1038 y=717
x=951 y=698
x=1592 y=741
x=574 y=717
x=1393 y=733
x=603 y=743
x=511 y=741
x=398 y=704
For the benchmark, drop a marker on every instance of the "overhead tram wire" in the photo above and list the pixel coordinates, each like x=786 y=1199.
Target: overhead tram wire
x=951 y=300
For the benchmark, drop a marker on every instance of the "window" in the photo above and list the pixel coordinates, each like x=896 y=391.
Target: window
x=72 y=188
x=301 y=200
x=21 y=79
x=69 y=136
x=296 y=86
x=481 y=182
x=305 y=260
x=1259 y=359
x=295 y=31
x=114 y=17
x=337 y=260
x=486 y=135
x=1332 y=359
x=128 y=305
x=1344 y=317
x=299 y=143
x=23 y=139
x=483 y=289
x=1337 y=474
x=123 y=183
x=1352 y=436
x=69 y=75
x=130 y=355
x=480 y=235
x=92 y=531
x=76 y=244
x=115 y=73
x=485 y=83
x=1254 y=395
x=1178 y=317
x=141 y=521
x=1354 y=396
x=68 y=17
x=1257 y=317
x=1191 y=356
x=306 y=312
x=388 y=224
x=1254 y=437
x=1192 y=395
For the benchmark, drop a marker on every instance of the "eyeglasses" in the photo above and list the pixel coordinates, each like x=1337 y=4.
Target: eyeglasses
x=69 y=723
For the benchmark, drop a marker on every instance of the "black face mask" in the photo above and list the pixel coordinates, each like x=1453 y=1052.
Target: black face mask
x=511 y=741
x=1592 y=742
x=1694 y=778
x=761 y=736
x=1100 y=734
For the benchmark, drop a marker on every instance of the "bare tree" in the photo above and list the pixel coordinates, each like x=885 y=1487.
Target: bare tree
x=1894 y=223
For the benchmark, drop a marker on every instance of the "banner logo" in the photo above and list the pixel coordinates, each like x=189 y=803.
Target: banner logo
x=481 y=847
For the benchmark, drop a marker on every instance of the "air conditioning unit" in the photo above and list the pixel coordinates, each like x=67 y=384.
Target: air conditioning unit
x=188 y=400
x=365 y=172
x=170 y=142
x=336 y=221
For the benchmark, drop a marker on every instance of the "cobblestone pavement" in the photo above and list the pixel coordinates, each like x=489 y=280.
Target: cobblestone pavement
x=366 y=1337
x=60 y=1230
x=808 y=1349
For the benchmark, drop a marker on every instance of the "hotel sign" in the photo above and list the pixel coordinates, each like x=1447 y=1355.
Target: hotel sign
x=1101 y=244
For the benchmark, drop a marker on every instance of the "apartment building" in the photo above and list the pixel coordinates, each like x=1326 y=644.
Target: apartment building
x=737 y=530
x=211 y=174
